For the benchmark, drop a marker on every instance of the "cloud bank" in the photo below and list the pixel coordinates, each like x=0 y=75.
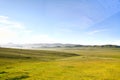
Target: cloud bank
x=16 y=32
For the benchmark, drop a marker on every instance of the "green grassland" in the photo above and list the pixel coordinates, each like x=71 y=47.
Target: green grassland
x=60 y=64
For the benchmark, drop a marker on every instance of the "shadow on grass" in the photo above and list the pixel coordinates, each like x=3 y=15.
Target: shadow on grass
x=3 y=72
x=19 y=77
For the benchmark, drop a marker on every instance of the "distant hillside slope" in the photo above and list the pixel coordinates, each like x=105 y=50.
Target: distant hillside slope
x=54 y=45
x=41 y=55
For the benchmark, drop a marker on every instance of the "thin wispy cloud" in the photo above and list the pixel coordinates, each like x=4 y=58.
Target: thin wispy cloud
x=5 y=22
x=97 y=31
x=38 y=38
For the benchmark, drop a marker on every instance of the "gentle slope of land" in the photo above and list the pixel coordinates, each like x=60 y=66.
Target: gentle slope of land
x=60 y=64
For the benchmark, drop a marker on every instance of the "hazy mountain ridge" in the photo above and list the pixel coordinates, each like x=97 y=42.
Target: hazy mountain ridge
x=53 y=45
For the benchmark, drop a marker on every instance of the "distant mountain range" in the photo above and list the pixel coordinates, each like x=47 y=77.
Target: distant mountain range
x=53 y=45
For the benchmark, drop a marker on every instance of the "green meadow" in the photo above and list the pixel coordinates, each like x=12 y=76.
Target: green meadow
x=60 y=64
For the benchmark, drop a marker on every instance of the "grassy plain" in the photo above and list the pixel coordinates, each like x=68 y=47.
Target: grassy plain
x=60 y=64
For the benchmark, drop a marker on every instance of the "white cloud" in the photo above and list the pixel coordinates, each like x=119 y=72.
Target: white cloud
x=96 y=31
x=116 y=42
x=6 y=35
x=16 y=32
x=5 y=22
x=10 y=30
x=3 y=17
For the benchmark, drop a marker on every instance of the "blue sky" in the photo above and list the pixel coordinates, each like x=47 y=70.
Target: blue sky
x=60 y=21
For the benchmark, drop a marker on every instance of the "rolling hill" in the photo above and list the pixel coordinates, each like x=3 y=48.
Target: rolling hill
x=41 y=55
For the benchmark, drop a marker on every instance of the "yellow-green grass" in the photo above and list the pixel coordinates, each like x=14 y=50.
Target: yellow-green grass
x=67 y=64
x=92 y=52
x=40 y=55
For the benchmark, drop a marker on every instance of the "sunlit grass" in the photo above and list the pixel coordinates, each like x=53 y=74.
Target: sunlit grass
x=83 y=67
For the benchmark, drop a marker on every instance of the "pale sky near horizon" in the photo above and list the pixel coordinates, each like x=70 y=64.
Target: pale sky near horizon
x=60 y=21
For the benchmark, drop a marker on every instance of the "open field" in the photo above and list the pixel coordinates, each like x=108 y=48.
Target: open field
x=60 y=64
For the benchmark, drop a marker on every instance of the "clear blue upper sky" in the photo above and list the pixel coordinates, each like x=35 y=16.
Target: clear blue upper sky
x=61 y=21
